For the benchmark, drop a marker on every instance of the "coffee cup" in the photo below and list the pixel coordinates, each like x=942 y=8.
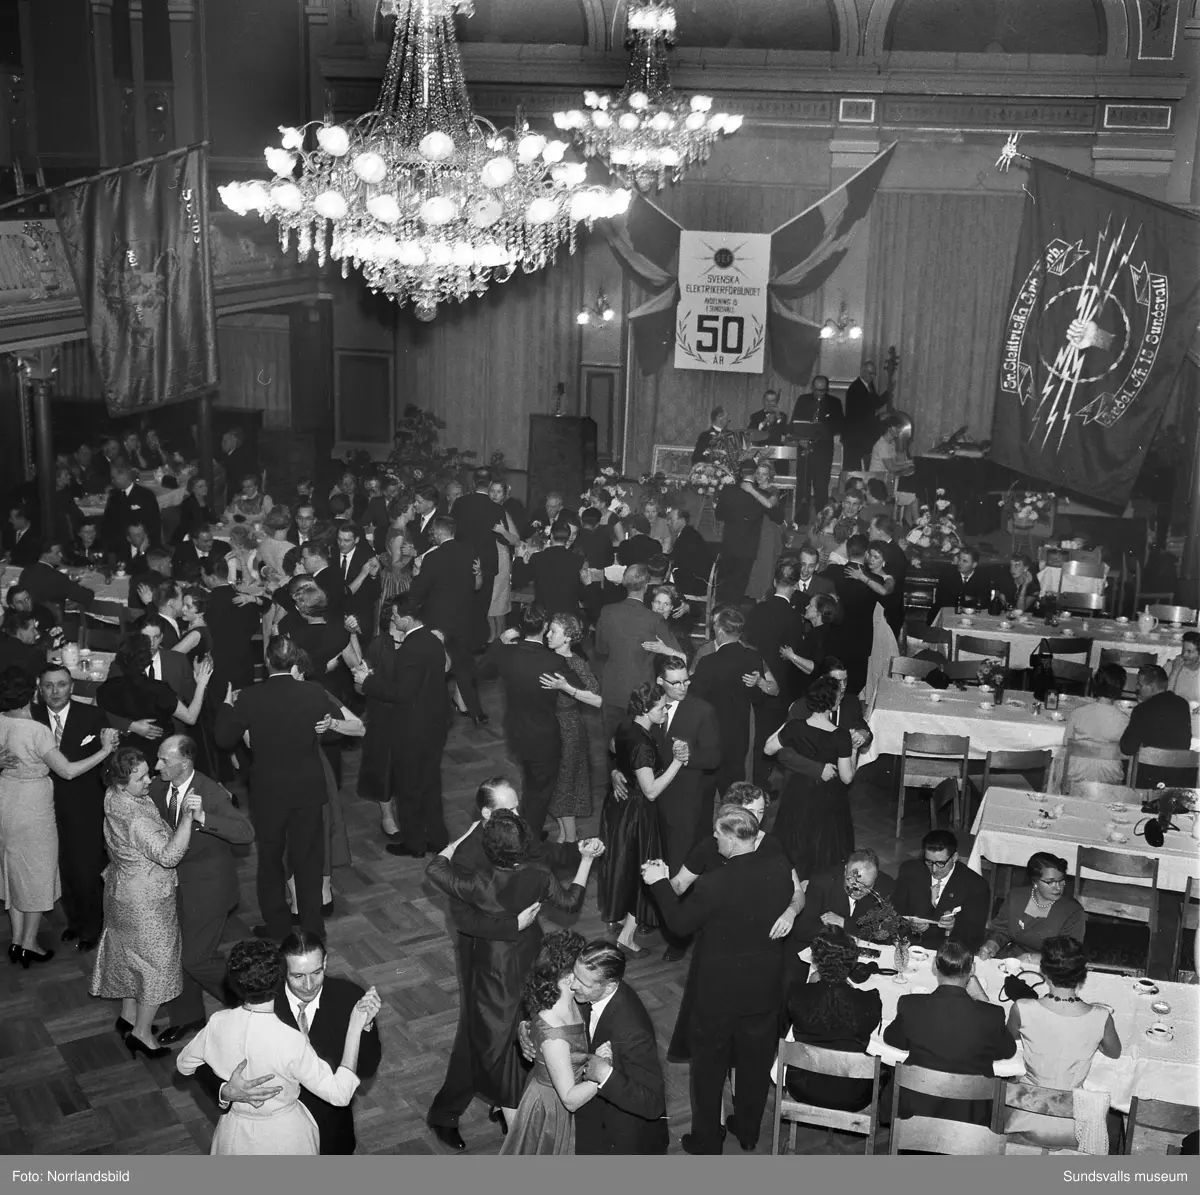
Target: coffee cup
x=1160 y=1030
x=910 y=680
x=1122 y=621
x=935 y=697
x=1145 y=987
x=987 y=705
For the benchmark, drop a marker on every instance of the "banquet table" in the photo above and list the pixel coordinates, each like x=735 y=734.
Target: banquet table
x=90 y=673
x=114 y=590
x=93 y=505
x=1026 y=633
x=1149 y=1068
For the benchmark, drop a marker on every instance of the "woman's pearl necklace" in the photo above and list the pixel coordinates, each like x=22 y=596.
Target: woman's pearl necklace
x=1043 y=904
x=1063 y=999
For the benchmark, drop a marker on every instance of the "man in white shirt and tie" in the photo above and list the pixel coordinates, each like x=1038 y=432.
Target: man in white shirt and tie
x=208 y=890
x=940 y=896
x=809 y=581
x=359 y=571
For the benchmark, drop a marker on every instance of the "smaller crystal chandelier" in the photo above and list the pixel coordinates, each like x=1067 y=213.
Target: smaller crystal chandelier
x=601 y=311
x=646 y=133
x=843 y=328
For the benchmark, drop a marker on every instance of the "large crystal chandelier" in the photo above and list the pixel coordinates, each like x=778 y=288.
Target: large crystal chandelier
x=429 y=201
x=646 y=132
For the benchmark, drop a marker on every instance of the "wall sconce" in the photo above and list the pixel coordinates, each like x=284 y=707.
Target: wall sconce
x=841 y=329
x=601 y=311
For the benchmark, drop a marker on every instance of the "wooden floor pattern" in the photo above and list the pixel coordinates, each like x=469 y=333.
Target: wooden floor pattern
x=68 y=1085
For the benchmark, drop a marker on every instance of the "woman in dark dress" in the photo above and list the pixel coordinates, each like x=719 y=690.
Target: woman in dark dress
x=823 y=615
x=495 y=975
x=329 y=646
x=629 y=827
x=881 y=582
x=130 y=693
x=813 y=821
x=835 y=1016
x=194 y=511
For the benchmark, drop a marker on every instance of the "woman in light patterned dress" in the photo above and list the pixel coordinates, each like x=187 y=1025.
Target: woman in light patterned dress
x=138 y=958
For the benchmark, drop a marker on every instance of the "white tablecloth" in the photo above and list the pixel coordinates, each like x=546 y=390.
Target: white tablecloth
x=1166 y=644
x=116 y=590
x=1005 y=832
x=93 y=505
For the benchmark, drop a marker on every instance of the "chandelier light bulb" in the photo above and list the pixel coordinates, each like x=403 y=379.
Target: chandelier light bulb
x=717 y=123
x=541 y=211
x=370 y=167
x=855 y=333
x=440 y=253
x=530 y=147
x=497 y=173
x=602 y=120
x=436 y=147
x=330 y=204
x=438 y=211
x=483 y=213
x=628 y=121
x=554 y=152
x=733 y=123
x=462 y=254
x=584 y=317
x=639 y=101
x=384 y=208
x=700 y=103
x=660 y=122
x=292 y=138
x=287 y=196
x=279 y=161
x=591 y=99
x=608 y=315
x=669 y=156
x=334 y=140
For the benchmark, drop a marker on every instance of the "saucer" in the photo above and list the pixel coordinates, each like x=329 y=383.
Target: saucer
x=1160 y=1032
x=1115 y=807
x=1057 y=716
x=910 y=680
x=1015 y=702
x=1005 y=625
x=1161 y=1007
x=1121 y=819
x=1122 y=621
x=935 y=697
x=919 y=954
x=966 y=622
x=1118 y=838
x=987 y=706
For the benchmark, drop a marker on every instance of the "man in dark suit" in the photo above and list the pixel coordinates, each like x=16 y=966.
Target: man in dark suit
x=475 y=517
x=360 y=575
x=1160 y=719
x=530 y=711
x=557 y=586
x=966 y=584
x=953 y=1029
x=20 y=541
x=719 y=422
x=545 y=516
x=770 y=419
x=930 y=889
x=639 y=547
x=594 y=544
x=170 y=666
x=132 y=552
x=418 y=715
x=208 y=888
x=861 y=428
x=629 y=1113
x=810 y=582
x=443 y=597
x=129 y=503
x=234 y=460
x=46 y=584
x=841 y=895
x=734 y=681
x=740 y=515
x=425 y=506
x=314 y=555
x=620 y=633
x=738 y=980
x=303 y=522
x=232 y=619
x=285 y=716
x=882 y=535
x=856 y=634
x=821 y=408
x=691 y=554
x=199 y=548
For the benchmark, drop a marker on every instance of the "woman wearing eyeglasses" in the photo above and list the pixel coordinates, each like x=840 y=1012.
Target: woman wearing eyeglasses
x=1034 y=912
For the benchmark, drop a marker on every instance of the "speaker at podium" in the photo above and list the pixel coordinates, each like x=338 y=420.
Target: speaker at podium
x=562 y=458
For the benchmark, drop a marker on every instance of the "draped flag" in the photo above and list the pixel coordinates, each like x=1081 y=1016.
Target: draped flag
x=804 y=253
x=137 y=242
x=1105 y=301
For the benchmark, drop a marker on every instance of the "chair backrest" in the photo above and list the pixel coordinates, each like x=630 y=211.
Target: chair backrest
x=1180 y=614
x=928 y=1134
x=978 y=646
x=1115 y=863
x=1167 y=757
x=945 y=1086
x=1097 y=790
x=1091 y=603
x=1017 y=761
x=902 y=666
x=963 y=670
x=1067 y=646
x=1084 y=568
x=846 y=1064
x=1127 y=659
x=822 y=1061
x=927 y=634
x=942 y=746
x=1085 y=556
x=1166 y=1117
x=1071 y=674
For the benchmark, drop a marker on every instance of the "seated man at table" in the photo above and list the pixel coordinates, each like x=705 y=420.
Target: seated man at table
x=966 y=584
x=46 y=584
x=840 y=896
x=158 y=569
x=1160 y=719
x=930 y=889
x=201 y=546
x=129 y=503
x=20 y=643
x=132 y=552
x=953 y=1029
x=86 y=549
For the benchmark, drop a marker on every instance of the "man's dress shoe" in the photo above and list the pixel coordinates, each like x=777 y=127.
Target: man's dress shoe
x=449 y=1136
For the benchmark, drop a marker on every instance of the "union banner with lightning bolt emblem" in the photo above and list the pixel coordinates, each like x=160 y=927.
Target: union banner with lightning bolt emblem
x=1105 y=301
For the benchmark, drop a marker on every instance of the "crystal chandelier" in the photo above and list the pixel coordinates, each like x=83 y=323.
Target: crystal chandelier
x=646 y=132
x=429 y=201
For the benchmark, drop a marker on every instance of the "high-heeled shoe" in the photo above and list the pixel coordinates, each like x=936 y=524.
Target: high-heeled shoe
x=137 y=1046
x=123 y=1027
x=28 y=956
x=14 y=953
x=496 y=1116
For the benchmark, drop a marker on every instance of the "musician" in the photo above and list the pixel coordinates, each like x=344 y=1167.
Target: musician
x=861 y=429
x=770 y=419
x=820 y=407
x=719 y=422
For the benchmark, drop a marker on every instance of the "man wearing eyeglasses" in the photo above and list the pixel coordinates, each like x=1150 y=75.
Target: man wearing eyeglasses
x=940 y=896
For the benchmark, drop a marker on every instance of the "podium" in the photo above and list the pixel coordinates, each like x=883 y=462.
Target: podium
x=562 y=457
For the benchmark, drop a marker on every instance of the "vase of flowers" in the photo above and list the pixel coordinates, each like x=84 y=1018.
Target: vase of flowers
x=710 y=477
x=617 y=489
x=1028 y=508
x=936 y=529
x=994 y=675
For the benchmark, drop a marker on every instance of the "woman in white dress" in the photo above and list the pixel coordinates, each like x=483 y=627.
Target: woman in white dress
x=282 y=1125
x=507 y=539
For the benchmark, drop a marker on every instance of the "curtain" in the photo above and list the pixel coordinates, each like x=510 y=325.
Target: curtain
x=77 y=377
x=485 y=365
x=672 y=406
x=938 y=277
x=256 y=365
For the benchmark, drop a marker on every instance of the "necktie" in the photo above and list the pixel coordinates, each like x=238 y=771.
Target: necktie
x=302 y=1020
x=671 y=714
x=346 y=567
x=173 y=805
x=58 y=729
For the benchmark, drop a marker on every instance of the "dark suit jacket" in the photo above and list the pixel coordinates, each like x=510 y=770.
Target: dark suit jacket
x=773 y=624
x=121 y=510
x=741 y=517
x=555 y=575
x=775 y=428
x=1163 y=721
x=327 y=1036
x=186 y=554
x=802 y=596
x=191 y=516
x=738 y=969
x=330 y=581
x=638 y=549
x=48 y=584
x=826 y=411
x=24 y=551
x=414 y=689
x=977 y=590
x=362 y=603
x=862 y=422
x=474 y=517
x=443 y=592
x=286 y=771
x=530 y=712
x=945 y=1030
x=702 y=443
x=629 y=1114
x=620 y=632
x=595 y=546
x=718 y=680
x=85 y=794
x=15 y=654
x=964 y=889
x=682 y=804
x=826 y=893
x=230 y=628
x=693 y=558
x=207 y=873
x=122 y=554
x=418 y=531
x=895 y=560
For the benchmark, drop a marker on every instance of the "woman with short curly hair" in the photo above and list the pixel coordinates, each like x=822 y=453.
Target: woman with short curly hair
x=813 y=821
x=253 y=1034
x=545 y=1121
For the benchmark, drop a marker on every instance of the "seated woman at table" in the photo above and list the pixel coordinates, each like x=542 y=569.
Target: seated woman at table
x=155 y=452
x=132 y=451
x=829 y=1013
x=242 y=561
x=1184 y=670
x=86 y=550
x=1098 y=723
x=1060 y=1034
x=1034 y=912
x=20 y=601
x=249 y=506
x=1027 y=589
x=194 y=511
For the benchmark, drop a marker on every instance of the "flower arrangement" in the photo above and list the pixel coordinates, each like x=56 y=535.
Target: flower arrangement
x=659 y=487
x=707 y=477
x=1029 y=506
x=614 y=485
x=881 y=922
x=936 y=528
x=992 y=673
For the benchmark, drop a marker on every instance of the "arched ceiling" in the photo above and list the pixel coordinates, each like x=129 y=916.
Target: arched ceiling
x=998 y=26
x=534 y=22
x=757 y=24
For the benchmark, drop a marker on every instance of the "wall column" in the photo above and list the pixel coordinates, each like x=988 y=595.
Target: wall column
x=108 y=121
x=185 y=70
x=138 y=47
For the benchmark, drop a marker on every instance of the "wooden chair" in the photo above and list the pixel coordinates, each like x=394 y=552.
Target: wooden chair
x=1071 y=678
x=1011 y=769
x=963 y=670
x=1164 y=757
x=1043 y=1101
x=930 y=761
x=920 y=592
x=939 y=1135
x=1085 y=556
x=1159 y=1116
x=977 y=646
x=1067 y=645
x=1081 y=750
x=925 y=636
x=708 y=600
x=1149 y=596
x=902 y=666
x=1124 y=902
x=824 y=1062
x=1189 y=919
x=1184 y=615
x=1127 y=659
x=1094 y=605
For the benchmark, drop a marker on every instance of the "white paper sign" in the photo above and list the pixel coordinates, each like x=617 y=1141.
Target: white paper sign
x=721 y=321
